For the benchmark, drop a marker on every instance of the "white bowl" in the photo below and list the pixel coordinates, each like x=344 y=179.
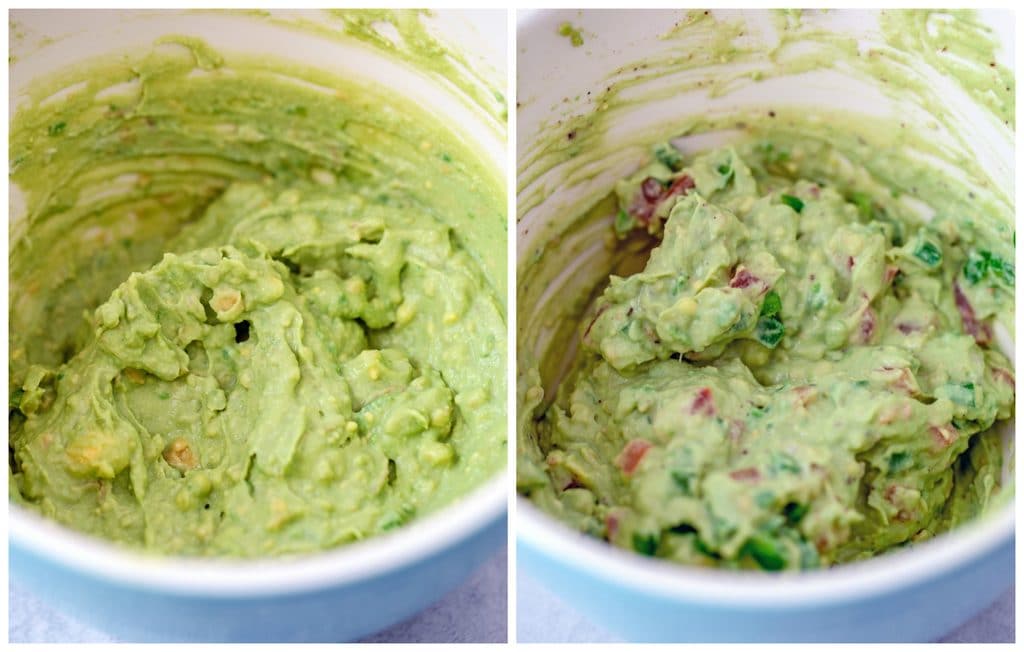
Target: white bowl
x=337 y=595
x=911 y=595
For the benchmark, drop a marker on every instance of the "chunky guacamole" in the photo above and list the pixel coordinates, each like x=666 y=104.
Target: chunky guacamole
x=255 y=309
x=796 y=376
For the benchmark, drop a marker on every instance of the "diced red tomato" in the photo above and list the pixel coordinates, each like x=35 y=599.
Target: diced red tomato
x=611 y=525
x=1004 y=375
x=703 y=403
x=748 y=474
x=652 y=193
x=680 y=187
x=743 y=278
x=805 y=395
x=632 y=453
x=651 y=189
x=867 y=327
x=890 y=273
x=945 y=435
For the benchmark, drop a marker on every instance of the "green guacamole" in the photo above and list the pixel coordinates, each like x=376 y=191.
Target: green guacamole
x=255 y=309
x=795 y=376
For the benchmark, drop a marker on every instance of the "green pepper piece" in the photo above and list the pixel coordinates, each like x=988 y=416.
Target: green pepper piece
x=795 y=203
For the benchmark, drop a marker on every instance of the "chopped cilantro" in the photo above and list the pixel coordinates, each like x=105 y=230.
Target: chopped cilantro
x=795 y=203
x=928 y=254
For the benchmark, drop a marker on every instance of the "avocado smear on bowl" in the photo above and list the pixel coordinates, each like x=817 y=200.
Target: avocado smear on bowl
x=255 y=309
x=797 y=376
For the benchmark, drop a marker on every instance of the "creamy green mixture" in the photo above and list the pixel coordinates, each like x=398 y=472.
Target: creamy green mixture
x=255 y=309
x=799 y=374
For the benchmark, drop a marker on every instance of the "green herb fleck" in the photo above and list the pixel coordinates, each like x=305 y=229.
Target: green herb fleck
x=816 y=299
x=794 y=512
x=678 y=284
x=624 y=223
x=684 y=481
x=669 y=156
x=980 y=263
x=975 y=268
x=1003 y=270
x=928 y=254
x=772 y=304
x=704 y=549
x=961 y=393
x=757 y=412
x=772 y=155
x=795 y=203
x=862 y=201
x=645 y=544
x=900 y=461
x=446 y=157
x=784 y=463
x=296 y=109
x=57 y=128
x=770 y=331
x=765 y=551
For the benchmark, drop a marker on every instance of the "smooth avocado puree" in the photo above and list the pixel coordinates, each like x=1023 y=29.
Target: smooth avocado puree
x=255 y=309
x=799 y=374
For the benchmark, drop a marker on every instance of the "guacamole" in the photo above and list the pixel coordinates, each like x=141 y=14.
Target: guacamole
x=255 y=309
x=795 y=376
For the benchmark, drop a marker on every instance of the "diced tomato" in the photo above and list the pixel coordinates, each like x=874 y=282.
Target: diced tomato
x=867 y=326
x=680 y=187
x=907 y=328
x=748 y=474
x=743 y=278
x=805 y=395
x=703 y=403
x=890 y=493
x=1004 y=375
x=631 y=454
x=651 y=189
x=890 y=273
x=900 y=378
x=894 y=413
x=652 y=193
x=611 y=525
x=945 y=435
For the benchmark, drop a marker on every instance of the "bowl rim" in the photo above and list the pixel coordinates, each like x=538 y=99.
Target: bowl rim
x=814 y=588
x=229 y=577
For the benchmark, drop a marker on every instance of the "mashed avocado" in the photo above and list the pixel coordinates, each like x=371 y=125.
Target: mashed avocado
x=797 y=376
x=255 y=309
